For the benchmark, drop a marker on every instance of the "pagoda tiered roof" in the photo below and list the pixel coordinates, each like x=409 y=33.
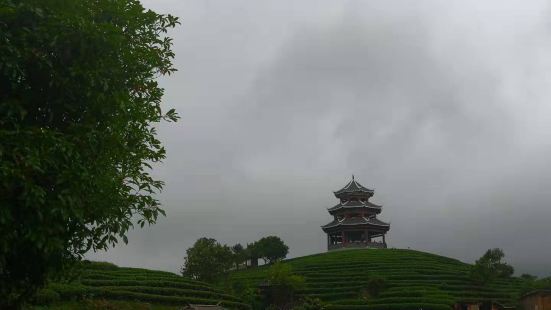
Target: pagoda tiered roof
x=354 y=221
x=353 y=187
x=350 y=204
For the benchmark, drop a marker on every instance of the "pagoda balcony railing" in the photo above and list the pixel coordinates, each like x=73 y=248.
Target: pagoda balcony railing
x=358 y=244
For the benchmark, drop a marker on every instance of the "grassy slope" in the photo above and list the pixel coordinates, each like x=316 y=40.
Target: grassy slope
x=106 y=281
x=416 y=279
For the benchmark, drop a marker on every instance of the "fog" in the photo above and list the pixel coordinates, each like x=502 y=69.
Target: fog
x=442 y=107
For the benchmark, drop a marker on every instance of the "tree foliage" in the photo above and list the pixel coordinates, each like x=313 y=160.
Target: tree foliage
x=281 y=274
x=310 y=303
x=252 y=252
x=207 y=260
x=270 y=249
x=491 y=266
x=239 y=255
x=78 y=106
x=532 y=283
x=282 y=286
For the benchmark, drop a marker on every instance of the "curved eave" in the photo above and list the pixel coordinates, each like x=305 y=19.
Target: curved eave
x=348 y=222
x=355 y=204
x=353 y=187
x=335 y=210
x=367 y=191
x=361 y=224
x=362 y=191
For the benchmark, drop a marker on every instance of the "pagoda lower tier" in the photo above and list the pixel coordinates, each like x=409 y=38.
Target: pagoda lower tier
x=356 y=232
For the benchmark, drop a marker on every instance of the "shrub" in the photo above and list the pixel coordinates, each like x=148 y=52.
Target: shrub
x=375 y=286
x=45 y=296
x=98 y=265
x=100 y=304
x=309 y=303
x=282 y=285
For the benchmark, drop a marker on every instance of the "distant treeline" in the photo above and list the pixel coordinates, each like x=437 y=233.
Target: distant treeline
x=207 y=260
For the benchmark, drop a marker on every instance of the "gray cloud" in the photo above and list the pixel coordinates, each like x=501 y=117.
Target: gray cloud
x=442 y=108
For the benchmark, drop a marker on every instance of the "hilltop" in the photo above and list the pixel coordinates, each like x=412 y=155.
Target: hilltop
x=414 y=280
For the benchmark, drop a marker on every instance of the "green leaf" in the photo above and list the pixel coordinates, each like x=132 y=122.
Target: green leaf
x=78 y=107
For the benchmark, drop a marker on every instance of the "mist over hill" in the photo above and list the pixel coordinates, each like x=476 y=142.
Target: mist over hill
x=441 y=107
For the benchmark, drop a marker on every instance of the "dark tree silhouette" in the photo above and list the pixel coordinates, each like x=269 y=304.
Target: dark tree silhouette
x=207 y=260
x=271 y=249
x=490 y=266
x=78 y=107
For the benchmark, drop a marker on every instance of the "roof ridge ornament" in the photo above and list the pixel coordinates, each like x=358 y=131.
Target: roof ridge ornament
x=352 y=187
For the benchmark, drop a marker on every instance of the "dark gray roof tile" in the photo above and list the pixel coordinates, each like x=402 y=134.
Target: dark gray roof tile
x=353 y=186
x=356 y=221
x=354 y=204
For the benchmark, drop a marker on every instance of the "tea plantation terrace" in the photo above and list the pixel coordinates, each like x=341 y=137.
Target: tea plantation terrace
x=414 y=280
x=107 y=281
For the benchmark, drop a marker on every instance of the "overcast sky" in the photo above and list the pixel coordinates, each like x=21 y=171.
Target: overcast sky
x=443 y=107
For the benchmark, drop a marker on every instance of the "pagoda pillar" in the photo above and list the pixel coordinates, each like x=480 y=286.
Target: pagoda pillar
x=343 y=239
x=384 y=241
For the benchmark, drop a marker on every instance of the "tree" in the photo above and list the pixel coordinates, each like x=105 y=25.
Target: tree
x=207 y=260
x=533 y=283
x=271 y=249
x=281 y=274
x=252 y=253
x=490 y=266
x=310 y=303
x=282 y=285
x=78 y=108
x=528 y=277
x=239 y=255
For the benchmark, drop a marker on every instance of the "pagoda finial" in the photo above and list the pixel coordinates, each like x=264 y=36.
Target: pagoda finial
x=352 y=177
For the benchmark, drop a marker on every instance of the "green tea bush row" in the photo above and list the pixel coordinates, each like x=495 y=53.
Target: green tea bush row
x=333 y=296
x=330 y=285
x=340 y=276
x=404 y=306
x=139 y=278
x=331 y=289
x=173 y=300
x=78 y=292
x=168 y=291
x=176 y=284
x=414 y=293
x=97 y=265
x=402 y=300
x=130 y=274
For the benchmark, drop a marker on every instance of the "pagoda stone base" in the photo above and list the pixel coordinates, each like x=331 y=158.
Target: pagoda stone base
x=357 y=245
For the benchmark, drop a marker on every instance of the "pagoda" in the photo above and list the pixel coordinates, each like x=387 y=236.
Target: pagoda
x=355 y=223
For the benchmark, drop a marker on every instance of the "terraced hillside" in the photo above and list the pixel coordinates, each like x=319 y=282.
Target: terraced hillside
x=107 y=281
x=415 y=280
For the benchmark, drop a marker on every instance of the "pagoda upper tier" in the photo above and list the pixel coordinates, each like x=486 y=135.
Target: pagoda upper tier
x=354 y=190
x=369 y=207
